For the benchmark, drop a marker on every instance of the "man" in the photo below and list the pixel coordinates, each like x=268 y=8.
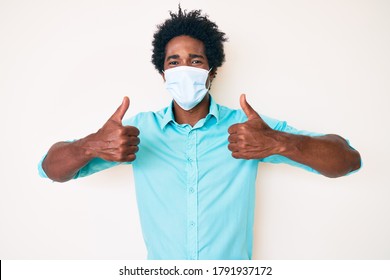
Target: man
x=196 y=161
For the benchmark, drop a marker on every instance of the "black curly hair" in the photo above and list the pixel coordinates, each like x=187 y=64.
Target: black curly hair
x=192 y=24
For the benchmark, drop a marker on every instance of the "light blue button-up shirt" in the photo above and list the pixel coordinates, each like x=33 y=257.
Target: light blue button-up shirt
x=195 y=200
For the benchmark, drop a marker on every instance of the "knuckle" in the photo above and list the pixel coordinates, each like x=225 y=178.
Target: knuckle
x=233 y=127
x=121 y=152
x=134 y=140
x=122 y=141
x=121 y=131
x=131 y=157
x=242 y=145
x=132 y=130
x=244 y=127
x=134 y=149
x=118 y=158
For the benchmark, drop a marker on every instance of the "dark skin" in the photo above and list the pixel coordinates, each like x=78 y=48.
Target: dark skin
x=254 y=139
x=113 y=142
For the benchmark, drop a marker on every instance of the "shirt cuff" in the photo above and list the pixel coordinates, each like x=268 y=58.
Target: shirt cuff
x=41 y=172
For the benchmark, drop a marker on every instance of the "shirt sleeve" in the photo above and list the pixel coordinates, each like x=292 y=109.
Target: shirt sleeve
x=42 y=172
x=94 y=166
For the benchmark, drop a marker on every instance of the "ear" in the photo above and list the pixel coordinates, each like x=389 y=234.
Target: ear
x=211 y=77
x=213 y=74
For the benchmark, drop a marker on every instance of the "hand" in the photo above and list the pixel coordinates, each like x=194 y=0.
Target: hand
x=115 y=142
x=253 y=139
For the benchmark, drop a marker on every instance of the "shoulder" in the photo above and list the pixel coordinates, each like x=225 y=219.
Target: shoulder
x=146 y=118
x=229 y=115
x=238 y=116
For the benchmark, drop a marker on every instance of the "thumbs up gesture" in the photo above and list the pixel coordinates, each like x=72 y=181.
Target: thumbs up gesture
x=253 y=139
x=115 y=142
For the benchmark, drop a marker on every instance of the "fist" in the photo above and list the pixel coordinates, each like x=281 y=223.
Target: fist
x=114 y=141
x=253 y=139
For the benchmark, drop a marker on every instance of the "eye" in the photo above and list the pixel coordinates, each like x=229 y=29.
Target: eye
x=173 y=62
x=196 y=61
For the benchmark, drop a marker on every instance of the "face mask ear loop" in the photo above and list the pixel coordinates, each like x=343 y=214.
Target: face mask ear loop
x=208 y=88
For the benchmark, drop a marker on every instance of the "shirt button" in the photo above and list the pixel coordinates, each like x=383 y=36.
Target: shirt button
x=192 y=223
x=192 y=190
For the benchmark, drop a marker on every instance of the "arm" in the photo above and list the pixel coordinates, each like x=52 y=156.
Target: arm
x=329 y=154
x=113 y=142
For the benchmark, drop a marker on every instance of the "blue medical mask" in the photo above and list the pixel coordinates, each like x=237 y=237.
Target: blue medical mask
x=187 y=85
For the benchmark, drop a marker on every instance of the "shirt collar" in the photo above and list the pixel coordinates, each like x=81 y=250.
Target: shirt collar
x=169 y=116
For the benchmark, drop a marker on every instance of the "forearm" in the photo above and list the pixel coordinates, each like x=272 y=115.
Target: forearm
x=329 y=154
x=113 y=142
x=65 y=159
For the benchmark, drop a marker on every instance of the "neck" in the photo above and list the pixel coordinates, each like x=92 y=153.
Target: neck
x=193 y=115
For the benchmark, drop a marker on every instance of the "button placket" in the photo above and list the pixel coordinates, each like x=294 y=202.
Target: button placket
x=192 y=197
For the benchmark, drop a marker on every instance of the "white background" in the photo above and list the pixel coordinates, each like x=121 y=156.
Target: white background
x=321 y=65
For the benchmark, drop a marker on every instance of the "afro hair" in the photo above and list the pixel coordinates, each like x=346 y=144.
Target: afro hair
x=192 y=24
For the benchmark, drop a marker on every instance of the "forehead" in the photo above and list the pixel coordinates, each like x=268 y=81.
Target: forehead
x=183 y=45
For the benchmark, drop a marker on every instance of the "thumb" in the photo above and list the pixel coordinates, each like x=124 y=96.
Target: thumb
x=248 y=110
x=121 y=111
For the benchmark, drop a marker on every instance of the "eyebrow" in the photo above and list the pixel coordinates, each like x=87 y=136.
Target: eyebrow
x=196 y=56
x=176 y=56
